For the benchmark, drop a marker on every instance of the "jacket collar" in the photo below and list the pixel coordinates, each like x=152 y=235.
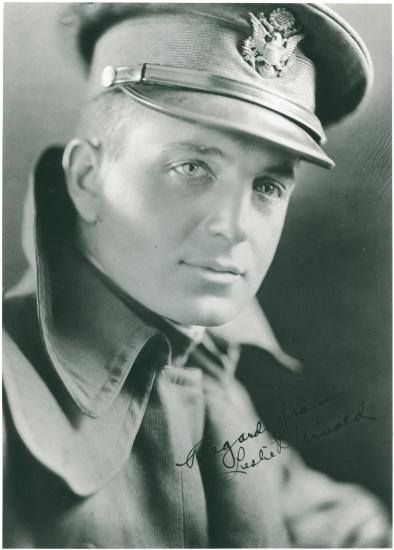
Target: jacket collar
x=90 y=332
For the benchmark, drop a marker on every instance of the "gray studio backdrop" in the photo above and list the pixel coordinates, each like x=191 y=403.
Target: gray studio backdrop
x=328 y=292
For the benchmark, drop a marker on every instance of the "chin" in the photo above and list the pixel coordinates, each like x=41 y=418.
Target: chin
x=210 y=313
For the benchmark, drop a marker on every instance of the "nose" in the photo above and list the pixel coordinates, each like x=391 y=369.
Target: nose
x=230 y=214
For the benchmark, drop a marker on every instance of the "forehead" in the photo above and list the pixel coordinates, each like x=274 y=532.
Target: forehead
x=162 y=132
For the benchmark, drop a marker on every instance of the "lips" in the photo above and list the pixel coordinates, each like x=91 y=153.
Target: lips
x=217 y=266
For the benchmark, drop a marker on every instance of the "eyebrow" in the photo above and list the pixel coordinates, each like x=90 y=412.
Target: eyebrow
x=282 y=170
x=195 y=147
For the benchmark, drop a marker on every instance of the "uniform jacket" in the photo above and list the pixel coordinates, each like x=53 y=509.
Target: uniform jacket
x=122 y=432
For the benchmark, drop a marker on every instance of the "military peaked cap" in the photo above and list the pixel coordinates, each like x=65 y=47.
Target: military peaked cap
x=280 y=72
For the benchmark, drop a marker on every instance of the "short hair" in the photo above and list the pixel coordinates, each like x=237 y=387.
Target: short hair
x=107 y=117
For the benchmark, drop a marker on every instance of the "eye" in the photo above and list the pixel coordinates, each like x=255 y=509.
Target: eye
x=268 y=188
x=191 y=170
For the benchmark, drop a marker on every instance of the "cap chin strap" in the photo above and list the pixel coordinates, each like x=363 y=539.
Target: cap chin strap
x=202 y=81
x=171 y=110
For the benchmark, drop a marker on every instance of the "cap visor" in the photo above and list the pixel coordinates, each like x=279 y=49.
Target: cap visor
x=232 y=114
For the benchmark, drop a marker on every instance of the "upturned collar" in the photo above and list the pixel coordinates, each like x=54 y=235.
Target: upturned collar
x=90 y=332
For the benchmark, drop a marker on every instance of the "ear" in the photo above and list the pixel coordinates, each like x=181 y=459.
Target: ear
x=81 y=164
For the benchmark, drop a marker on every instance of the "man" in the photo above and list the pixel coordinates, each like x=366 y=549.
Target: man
x=125 y=425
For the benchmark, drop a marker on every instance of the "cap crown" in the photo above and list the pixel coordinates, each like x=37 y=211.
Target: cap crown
x=342 y=65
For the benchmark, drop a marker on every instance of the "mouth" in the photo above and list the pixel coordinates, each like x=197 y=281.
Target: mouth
x=216 y=266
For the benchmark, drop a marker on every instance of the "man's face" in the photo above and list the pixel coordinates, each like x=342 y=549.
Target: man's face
x=191 y=217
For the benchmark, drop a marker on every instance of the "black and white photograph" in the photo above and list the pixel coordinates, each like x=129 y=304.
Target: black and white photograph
x=197 y=309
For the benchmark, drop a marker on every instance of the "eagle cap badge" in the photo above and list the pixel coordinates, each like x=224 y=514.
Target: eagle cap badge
x=270 y=49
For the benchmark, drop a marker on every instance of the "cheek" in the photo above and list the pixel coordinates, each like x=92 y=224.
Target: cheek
x=265 y=240
x=137 y=218
x=125 y=196
x=120 y=224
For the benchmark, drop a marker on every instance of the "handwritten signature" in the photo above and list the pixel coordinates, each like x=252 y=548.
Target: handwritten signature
x=251 y=449
x=234 y=455
x=292 y=424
